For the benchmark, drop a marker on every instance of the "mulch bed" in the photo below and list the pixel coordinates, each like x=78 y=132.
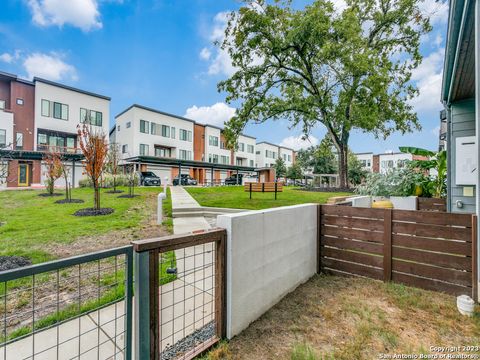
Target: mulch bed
x=126 y=196
x=114 y=192
x=49 y=195
x=93 y=212
x=71 y=201
x=13 y=262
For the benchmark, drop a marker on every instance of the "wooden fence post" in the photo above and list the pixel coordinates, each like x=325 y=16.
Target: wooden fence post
x=319 y=239
x=250 y=191
x=387 y=245
x=474 y=258
x=276 y=190
x=220 y=288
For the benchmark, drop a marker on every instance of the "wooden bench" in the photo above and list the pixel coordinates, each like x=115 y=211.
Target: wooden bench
x=273 y=187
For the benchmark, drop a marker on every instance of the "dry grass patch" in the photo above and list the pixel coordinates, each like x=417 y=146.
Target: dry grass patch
x=352 y=318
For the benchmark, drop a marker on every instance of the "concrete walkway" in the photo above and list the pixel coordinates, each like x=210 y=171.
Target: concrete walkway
x=187 y=305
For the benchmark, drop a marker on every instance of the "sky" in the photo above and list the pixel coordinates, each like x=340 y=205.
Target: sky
x=161 y=54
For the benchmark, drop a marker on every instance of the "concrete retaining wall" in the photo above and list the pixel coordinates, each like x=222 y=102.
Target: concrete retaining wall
x=269 y=253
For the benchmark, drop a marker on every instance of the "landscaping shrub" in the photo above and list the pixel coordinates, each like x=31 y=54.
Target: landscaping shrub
x=106 y=181
x=396 y=182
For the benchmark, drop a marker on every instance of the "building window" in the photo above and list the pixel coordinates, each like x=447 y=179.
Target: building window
x=42 y=139
x=270 y=154
x=2 y=104
x=213 y=140
x=289 y=157
x=60 y=111
x=165 y=131
x=250 y=149
x=124 y=149
x=185 y=135
x=55 y=141
x=224 y=160
x=241 y=147
x=20 y=101
x=284 y=157
x=163 y=152
x=172 y=132
x=45 y=108
x=144 y=126
x=258 y=152
x=128 y=124
x=251 y=163
x=213 y=158
x=185 y=155
x=118 y=127
x=3 y=138
x=19 y=141
x=91 y=117
x=144 y=149
x=155 y=128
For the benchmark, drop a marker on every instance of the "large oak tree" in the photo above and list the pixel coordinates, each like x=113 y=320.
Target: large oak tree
x=348 y=69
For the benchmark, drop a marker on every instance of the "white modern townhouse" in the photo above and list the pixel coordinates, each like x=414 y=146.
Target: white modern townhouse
x=169 y=145
x=268 y=153
x=366 y=159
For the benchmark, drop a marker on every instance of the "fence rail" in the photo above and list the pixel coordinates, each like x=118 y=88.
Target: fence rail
x=73 y=308
x=434 y=251
x=184 y=317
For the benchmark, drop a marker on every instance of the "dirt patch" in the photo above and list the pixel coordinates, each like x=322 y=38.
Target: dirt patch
x=114 y=192
x=353 y=318
x=49 y=195
x=93 y=212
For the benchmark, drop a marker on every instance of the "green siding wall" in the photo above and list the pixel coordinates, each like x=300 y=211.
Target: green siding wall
x=461 y=123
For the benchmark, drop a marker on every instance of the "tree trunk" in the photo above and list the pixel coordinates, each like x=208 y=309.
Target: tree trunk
x=343 y=165
x=96 y=197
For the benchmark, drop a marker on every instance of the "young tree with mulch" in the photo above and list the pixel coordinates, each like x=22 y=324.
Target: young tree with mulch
x=53 y=164
x=113 y=160
x=131 y=179
x=94 y=147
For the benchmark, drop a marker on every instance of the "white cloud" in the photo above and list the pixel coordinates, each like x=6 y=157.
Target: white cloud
x=6 y=57
x=428 y=77
x=216 y=114
x=205 y=54
x=49 y=66
x=83 y=14
x=299 y=142
x=436 y=10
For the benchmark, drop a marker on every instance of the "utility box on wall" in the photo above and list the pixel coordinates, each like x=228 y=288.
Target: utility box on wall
x=466 y=161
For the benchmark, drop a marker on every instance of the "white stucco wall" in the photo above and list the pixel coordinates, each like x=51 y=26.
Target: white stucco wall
x=269 y=253
x=214 y=150
x=261 y=159
x=395 y=158
x=75 y=100
x=367 y=158
x=6 y=123
x=287 y=152
x=246 y=157
x=133 y=137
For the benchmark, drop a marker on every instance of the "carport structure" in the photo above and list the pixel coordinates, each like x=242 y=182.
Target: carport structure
x=204 y=172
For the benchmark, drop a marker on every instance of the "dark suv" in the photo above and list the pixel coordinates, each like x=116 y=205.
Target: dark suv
x=232 y=180
x=186 y=180
x=148 y=178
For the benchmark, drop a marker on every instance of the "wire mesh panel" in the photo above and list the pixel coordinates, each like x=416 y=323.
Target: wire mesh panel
x=186 y=286
x=76 y=308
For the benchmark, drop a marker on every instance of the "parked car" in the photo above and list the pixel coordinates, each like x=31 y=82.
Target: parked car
x=148 y=178
x=185 y=180
x=291 y=182
x=232 y=180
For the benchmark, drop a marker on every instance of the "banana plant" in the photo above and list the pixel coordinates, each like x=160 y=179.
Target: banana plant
x=437 y=161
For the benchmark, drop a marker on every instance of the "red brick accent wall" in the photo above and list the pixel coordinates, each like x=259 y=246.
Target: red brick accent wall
x=198 y=142
x=24 y=115
x=376 y=164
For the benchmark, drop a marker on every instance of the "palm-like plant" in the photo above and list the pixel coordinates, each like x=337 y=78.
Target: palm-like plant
x=437 y=161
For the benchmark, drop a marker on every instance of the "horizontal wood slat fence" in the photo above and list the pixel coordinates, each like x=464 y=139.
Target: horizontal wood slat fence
x=429 y=250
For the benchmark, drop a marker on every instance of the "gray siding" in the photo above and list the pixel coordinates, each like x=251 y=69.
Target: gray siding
x=461 y=122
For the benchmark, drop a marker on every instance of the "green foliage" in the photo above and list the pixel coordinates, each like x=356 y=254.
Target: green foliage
x=280 y=168
x=321 y=158
x=356 y=172
x=436 y=161
x=348 y=69
x=106 y=181
x=396 y=182
x=295 y=171
x=303 y=352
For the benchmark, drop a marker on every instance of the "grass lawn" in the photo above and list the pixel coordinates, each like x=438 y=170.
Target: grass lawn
x=235 y=197
x=353 y=318
x=41 y=230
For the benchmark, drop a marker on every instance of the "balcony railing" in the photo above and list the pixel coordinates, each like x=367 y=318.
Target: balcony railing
x=59 y=149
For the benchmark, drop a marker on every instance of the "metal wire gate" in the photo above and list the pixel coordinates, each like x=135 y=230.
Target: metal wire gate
x=179 y=294
x=75 y=308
